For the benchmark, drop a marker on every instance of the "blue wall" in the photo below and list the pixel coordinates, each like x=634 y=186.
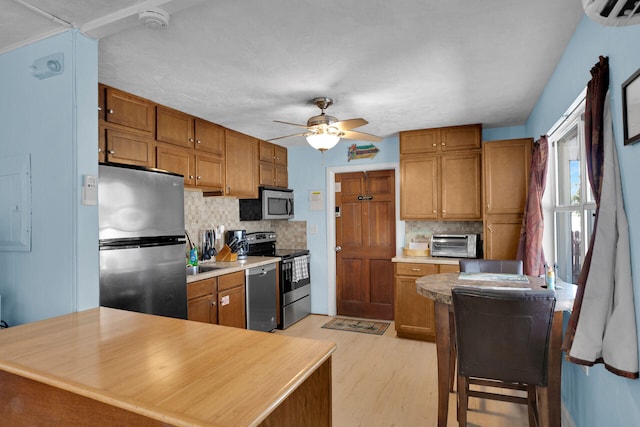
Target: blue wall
x=55 y=121
x=600 y=398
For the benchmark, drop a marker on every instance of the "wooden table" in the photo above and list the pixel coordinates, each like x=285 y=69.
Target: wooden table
x=113 y=367
x=438 y=288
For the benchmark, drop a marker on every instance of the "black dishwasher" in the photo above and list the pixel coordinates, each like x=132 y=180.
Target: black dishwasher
x=261 y=297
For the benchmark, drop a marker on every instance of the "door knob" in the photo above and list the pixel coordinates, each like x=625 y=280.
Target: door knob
x=338 y=248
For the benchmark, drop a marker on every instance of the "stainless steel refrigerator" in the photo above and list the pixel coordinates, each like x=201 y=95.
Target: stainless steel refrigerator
x=142 y=246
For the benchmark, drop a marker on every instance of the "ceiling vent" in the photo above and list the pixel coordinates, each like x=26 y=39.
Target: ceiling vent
x=154 y=18
x=615 y=13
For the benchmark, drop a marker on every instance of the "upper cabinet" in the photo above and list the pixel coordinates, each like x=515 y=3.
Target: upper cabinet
x=506 y=165
x=241 y=165
x=272 y=165
x=440 y=174
x=440 y=140
x=178 y=128
x=128 y=110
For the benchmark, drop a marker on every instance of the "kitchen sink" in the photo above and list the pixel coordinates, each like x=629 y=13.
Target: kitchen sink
x=193 y=270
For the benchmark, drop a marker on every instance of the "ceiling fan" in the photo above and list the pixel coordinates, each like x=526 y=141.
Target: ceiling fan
x=324 y=131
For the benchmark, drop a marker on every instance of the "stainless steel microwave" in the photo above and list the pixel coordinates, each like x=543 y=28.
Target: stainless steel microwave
x=272 y=203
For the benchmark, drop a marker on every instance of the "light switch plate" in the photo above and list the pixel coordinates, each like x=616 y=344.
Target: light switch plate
x=90 y=190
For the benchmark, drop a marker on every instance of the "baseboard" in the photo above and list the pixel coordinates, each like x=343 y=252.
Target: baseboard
x=565 y=416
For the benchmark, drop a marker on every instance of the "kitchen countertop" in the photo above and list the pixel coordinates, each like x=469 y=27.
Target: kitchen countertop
x=425 y=260
x=231 y=266
x=170 y=370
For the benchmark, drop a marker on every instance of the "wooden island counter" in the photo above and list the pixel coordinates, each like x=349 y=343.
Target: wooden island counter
x=112 y=367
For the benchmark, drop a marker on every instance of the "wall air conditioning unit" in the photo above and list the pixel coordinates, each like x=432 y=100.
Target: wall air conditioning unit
x=615 y=13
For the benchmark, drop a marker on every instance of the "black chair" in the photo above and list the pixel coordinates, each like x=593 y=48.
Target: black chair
x=491 y=266
x=502 y=340
x=479 y=266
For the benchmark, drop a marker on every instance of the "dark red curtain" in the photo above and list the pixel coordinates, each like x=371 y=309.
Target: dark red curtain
x=530 y=245
x=593 y=124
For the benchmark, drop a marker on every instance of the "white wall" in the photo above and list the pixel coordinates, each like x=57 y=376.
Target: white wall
x=55 y=121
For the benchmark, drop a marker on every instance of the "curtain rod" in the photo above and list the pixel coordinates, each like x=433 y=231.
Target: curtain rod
x=568 y=113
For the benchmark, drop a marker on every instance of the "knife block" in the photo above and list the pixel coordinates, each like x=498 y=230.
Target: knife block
x=225 y=254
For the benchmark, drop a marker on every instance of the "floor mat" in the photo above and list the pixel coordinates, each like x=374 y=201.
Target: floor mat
x=352 y=325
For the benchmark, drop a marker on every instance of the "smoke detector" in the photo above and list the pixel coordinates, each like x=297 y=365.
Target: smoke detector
x=154 y=18
x=613 y=12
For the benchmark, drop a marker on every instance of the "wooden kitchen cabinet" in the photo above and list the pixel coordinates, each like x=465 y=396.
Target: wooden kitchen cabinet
x=441 y=140
x=241 y=165
x=202 y=300
x=441 y=174
x=128 y=110
x=231 y=300
x=441 y=187
x=178 y=128
x=506 y=165
x=414 y=315
x=219 y=300
x=272 y=165
x=125 y=147
x=196 y=150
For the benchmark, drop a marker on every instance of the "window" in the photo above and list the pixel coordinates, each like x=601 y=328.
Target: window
x=574 y=206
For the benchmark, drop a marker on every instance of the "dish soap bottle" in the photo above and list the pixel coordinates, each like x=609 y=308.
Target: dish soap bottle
x=193 y=256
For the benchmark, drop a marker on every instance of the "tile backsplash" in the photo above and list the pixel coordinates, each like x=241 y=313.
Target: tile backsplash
x=208 y=212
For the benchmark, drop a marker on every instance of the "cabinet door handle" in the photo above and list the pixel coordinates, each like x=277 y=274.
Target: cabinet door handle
x=443 y=143
x=99 y=108
x=110 y=111
x=489 y=228
x=444 y=212
x=198 y=177
x=198 y=141
x=214 y=302
x=434 y=144
x=416 y=269
x=99 y=150
x=190 y=176
x=190 y=139
x=434 y=211
x=111 y=151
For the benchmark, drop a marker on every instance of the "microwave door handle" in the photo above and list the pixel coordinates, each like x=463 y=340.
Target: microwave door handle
x=289 y=206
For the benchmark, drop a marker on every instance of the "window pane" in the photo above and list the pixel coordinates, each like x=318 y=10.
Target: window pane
x=569 y=170
x=570 y=250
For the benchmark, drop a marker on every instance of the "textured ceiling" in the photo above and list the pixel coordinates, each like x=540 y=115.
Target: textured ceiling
x=403 y=64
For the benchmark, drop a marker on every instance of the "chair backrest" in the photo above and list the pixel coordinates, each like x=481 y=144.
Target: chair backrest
x=503 y=334
x=491 y=266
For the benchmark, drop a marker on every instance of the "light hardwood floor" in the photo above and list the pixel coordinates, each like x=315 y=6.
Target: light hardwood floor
x=382 y=380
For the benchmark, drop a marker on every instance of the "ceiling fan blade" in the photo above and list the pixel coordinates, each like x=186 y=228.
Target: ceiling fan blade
x=289 y=136
x=349 y=134
x=289 y=123
x=349 y=124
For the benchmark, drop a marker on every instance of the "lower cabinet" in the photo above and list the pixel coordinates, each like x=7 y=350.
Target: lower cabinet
x=219 y=300
x=414 y=315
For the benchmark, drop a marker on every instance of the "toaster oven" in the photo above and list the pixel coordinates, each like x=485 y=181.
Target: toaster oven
x=456 y=245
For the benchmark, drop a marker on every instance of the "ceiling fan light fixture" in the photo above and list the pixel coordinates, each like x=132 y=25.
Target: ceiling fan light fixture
x=322 y=141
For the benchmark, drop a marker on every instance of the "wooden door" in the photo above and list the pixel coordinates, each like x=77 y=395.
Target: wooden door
x=366 y=233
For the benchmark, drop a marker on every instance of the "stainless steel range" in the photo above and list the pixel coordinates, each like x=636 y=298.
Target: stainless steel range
x=295 y=278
